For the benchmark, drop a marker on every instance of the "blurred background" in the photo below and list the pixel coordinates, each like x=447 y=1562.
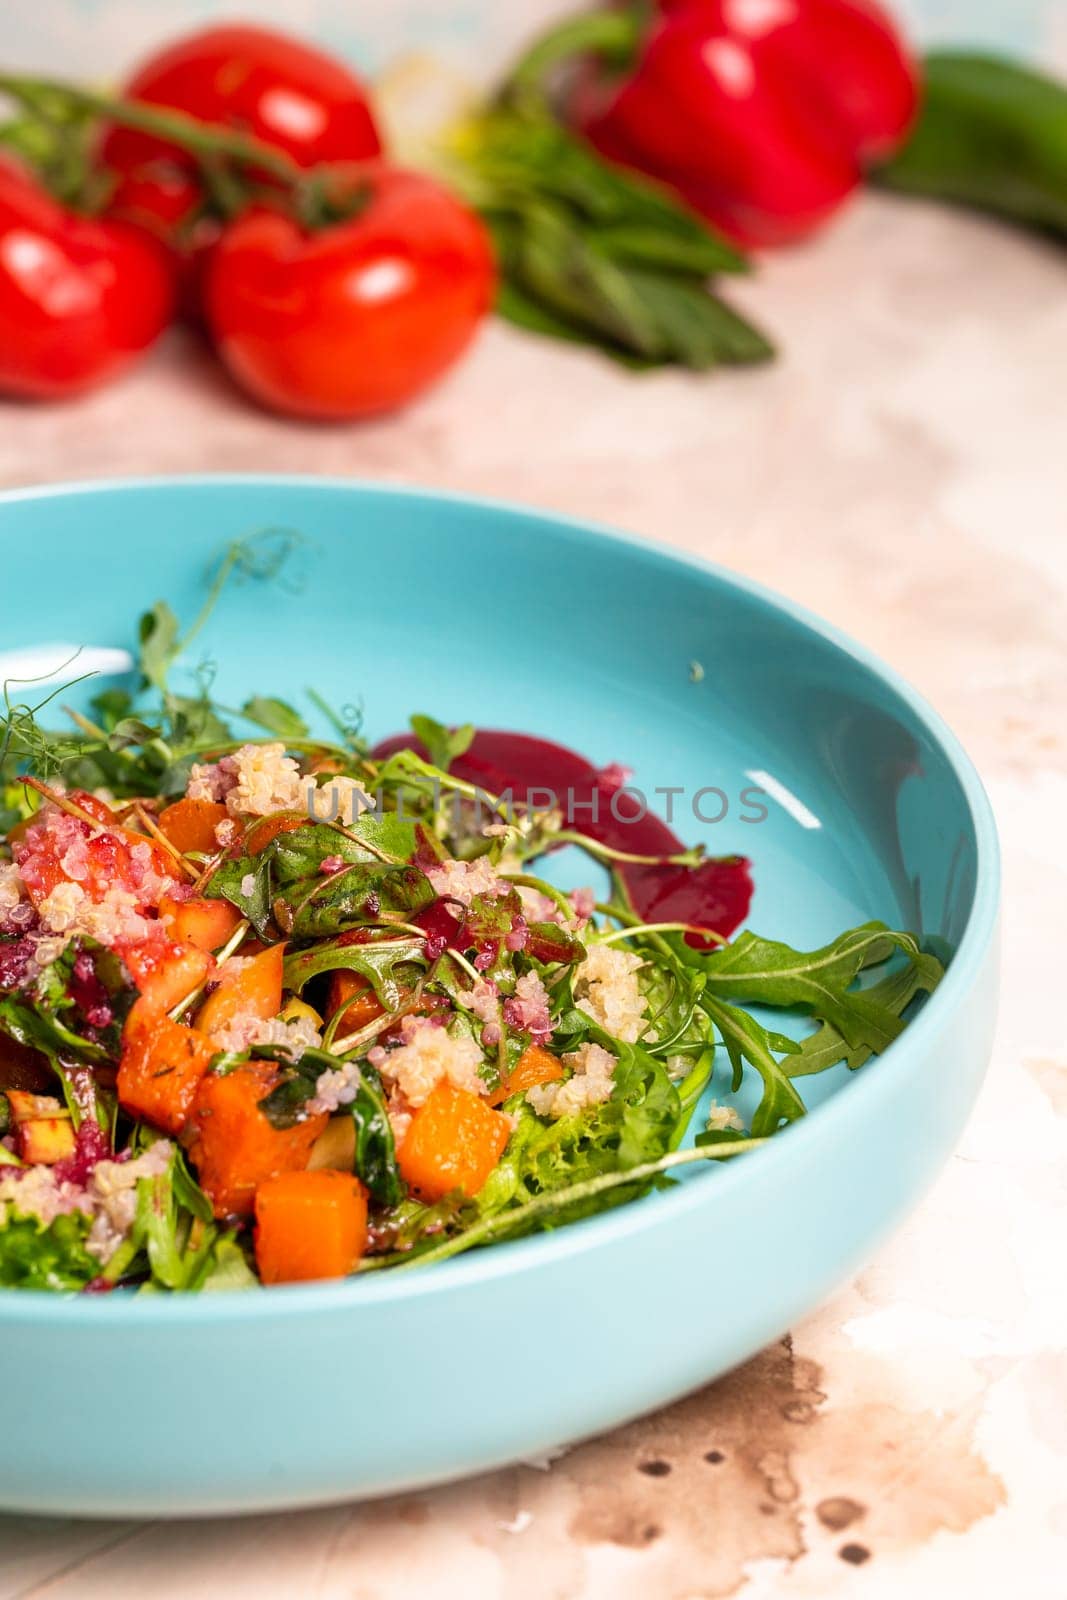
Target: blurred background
x=91 y=36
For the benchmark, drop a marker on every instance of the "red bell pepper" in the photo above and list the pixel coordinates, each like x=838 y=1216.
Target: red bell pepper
x=761 y=114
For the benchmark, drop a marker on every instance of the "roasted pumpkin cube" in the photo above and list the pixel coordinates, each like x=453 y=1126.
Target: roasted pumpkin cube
x=454 y=1142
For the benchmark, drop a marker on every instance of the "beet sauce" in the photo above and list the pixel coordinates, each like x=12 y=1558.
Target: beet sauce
x=716 y=894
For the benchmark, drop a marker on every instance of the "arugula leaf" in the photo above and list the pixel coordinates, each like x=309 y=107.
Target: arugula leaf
x=856 y=1022
x=696 y=328
x=764 y=971
x=379 y=961
x=230 y=882
x=747 y=1040
x=827 y=1046
x=298 y=856
x=35 y=1256
x=369 y=838
x=360 y=895
x=443 y=745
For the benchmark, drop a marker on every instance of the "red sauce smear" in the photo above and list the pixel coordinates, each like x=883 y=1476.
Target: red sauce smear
x=715 y=895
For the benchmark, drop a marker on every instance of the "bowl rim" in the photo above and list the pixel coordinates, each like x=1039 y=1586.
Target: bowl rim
x=826 y=1122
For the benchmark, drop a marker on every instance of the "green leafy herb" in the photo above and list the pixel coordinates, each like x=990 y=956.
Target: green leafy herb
x=592 y=254
x=277 y=717
x=375 y=1147
x=360 y=895
x=381 y=963
x=246 y=884
x=35 y=1256
x=442 y=744
x=227 y=1268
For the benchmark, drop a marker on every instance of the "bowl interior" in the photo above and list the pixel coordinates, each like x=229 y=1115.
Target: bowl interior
x=395 y=602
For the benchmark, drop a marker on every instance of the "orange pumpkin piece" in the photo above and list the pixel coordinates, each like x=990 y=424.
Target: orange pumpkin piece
x=161 y=1066
x=535 y=1065
x=165 y=972
x=191 y=824
x=261 y=833
x=364 y=1004
x=454 y=1142
x=201 y=922
x=310 y=1225
x=250 y=986
x=234 y=1146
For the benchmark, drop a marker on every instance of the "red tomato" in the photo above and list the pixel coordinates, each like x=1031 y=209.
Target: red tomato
x=78 y=298
x=359 y=317
x=167 y=202
x=264 y=83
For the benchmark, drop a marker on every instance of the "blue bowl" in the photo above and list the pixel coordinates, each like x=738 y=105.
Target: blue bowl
x=410 y=601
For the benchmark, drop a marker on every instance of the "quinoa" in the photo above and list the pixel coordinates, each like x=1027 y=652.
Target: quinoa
x=528 y=1008
x=335 y=1089
x=116 y=916
x=255 y=781
x=109 y=1196
x=462 y=880
x=591 y=1083
x=484 y=1001
x=247 y=1028
x=339 y=799
x=722 y=1117
x=428 y=1054
x=606 y=989
x=16 y=912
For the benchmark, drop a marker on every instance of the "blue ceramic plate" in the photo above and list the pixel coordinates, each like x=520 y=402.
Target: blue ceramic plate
x=408 y=601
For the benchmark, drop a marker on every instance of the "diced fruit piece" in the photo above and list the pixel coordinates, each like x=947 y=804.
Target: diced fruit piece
x=310 y=1225
x=161 y=1067
x=234 y=1146
x=191 y=824
x=164 y=972
x=109 y=855
x=261 y=833
x=336 y=1147
x=454 y=1142
x=364 y=1007
x=26 y=1107
x=89 y=803
x=249 y=986
x=205 y=924
x=535 y=1065
x=45 y=1140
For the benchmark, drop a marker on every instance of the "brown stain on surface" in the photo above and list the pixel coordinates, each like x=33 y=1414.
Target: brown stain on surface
x=839 y=1512
x=764 y=1464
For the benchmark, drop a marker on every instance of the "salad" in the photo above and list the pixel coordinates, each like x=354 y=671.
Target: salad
x=277 y=1007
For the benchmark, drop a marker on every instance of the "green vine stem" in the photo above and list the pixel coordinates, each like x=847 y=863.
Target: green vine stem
x=208 y=142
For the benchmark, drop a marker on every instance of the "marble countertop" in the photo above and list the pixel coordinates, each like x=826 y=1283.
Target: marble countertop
x=903 y=470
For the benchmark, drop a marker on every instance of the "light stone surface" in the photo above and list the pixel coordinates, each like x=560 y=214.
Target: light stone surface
x=903 y=469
